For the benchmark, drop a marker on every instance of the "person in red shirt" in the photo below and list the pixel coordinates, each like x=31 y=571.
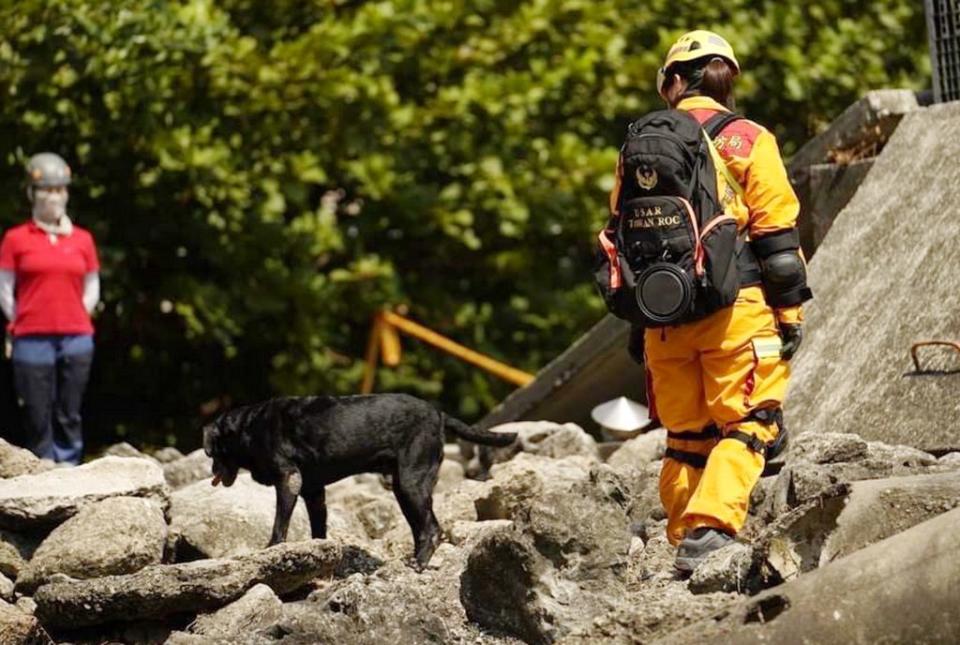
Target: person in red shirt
x=49 y=285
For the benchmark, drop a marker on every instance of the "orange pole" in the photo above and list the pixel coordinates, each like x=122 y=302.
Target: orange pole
x=373 y=352
x=504 y=371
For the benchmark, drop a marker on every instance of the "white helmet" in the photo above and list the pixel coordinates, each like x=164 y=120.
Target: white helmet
x=46 y=170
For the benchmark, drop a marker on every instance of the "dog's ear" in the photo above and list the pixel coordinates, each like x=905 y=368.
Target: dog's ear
x=210 y=432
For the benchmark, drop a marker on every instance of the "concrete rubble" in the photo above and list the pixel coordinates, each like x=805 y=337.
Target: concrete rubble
x=47 y=498
x=221 y=522
x=114 y=536
x=547 y=549
x=852 y=537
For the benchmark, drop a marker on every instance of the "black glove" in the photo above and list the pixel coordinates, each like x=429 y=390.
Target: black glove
x=792 y=336
x=635 y=344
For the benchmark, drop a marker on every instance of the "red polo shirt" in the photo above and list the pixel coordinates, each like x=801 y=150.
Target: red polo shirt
x=49 y=279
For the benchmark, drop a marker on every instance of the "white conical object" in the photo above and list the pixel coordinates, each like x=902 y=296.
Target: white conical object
x=621 y=414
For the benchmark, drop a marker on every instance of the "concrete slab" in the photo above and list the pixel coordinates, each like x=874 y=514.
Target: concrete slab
x=866 y=123
x=883 y=279
x=828 y=189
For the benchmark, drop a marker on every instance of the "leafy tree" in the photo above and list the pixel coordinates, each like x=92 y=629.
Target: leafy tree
x=262 y=177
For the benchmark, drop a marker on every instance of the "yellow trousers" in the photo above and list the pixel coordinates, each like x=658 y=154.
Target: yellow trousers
x=715 y=371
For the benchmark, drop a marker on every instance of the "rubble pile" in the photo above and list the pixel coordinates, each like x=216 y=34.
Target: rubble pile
x=556 y=546
x=853 y=536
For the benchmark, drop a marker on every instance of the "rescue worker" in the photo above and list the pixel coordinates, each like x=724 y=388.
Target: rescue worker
x=49 y=286
x=717 y=384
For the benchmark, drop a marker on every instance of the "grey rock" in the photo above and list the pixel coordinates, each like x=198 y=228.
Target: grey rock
x=16 y=461
x=161 y=590
x=878 y=509
x=114 y=536
x=362 y=513
x=560 y=563
x=182 y=472
x=257 y=609
x=854 y=372
x=464 y=532
x=583 y=529
x=219 y=522
x=950 y=460
x=124 y=449
x=792 y=543
x=508 y=587
x=15 y=550
x=452 y=452
x=898 y=456
x=871 y=596
x=725 y=569
x=167 y=455
x=637 y=453
x=826 y=448
x=451 y=473
x=6 y=588
x=395 y=604
x=45 y=499
x=816 y=464
x=547 y=439
x=515 y=483
x=26 y=605
x=18 y=628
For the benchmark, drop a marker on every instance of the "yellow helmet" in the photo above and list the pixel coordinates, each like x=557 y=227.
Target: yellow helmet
x=694 y=45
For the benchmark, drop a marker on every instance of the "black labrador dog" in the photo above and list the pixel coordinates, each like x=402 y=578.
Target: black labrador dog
x=301 y=444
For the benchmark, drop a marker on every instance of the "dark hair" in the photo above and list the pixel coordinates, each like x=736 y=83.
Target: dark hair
x=713 y=79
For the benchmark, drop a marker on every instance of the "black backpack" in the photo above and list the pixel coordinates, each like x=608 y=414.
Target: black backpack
x=670 y=255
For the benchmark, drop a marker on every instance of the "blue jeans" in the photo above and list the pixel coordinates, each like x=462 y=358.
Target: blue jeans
x=50 y=374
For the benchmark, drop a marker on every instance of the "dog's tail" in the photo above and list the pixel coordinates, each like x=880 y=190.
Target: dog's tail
x=476 y=435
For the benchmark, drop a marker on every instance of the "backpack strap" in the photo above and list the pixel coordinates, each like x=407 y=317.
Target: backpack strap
x=715 y=124
x=711 y=128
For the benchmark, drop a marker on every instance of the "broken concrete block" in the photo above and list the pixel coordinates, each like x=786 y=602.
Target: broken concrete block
x=16 y=461
x=124 y=449
x=508 y=586
x=826 y=448
x=881 y=283
x=866 y=124
x=870 y=596
x=638 y=452
x=6 y=589
x=15 y=551
x=18 y=628
x=167 y=455
x=187 y=470
x=113 y=536
x=162 y=590
x=45 y=499
x=258 y=608
x=222 y=522
x=879 y=508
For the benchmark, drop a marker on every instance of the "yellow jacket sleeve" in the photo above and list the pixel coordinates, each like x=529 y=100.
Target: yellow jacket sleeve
x=770 y=198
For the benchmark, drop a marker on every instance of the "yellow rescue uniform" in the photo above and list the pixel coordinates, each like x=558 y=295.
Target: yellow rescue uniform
x=716 y=371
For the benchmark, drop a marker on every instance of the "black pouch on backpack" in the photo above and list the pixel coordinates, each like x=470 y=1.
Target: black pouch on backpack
x=670 y=256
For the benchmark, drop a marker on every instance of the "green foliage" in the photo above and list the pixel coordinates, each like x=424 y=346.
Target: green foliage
x=261 y=177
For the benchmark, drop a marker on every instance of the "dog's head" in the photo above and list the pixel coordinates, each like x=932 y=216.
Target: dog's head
x=217 y=445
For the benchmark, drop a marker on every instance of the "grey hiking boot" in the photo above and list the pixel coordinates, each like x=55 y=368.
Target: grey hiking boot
x=698 y=544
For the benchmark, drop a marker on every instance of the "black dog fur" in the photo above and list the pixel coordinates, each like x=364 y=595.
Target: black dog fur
x=299 y=445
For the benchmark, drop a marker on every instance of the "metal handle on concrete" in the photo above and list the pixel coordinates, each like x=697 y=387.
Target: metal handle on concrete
x=926 y=343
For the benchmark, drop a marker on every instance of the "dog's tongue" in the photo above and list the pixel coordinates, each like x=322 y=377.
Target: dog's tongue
x=216 y=480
